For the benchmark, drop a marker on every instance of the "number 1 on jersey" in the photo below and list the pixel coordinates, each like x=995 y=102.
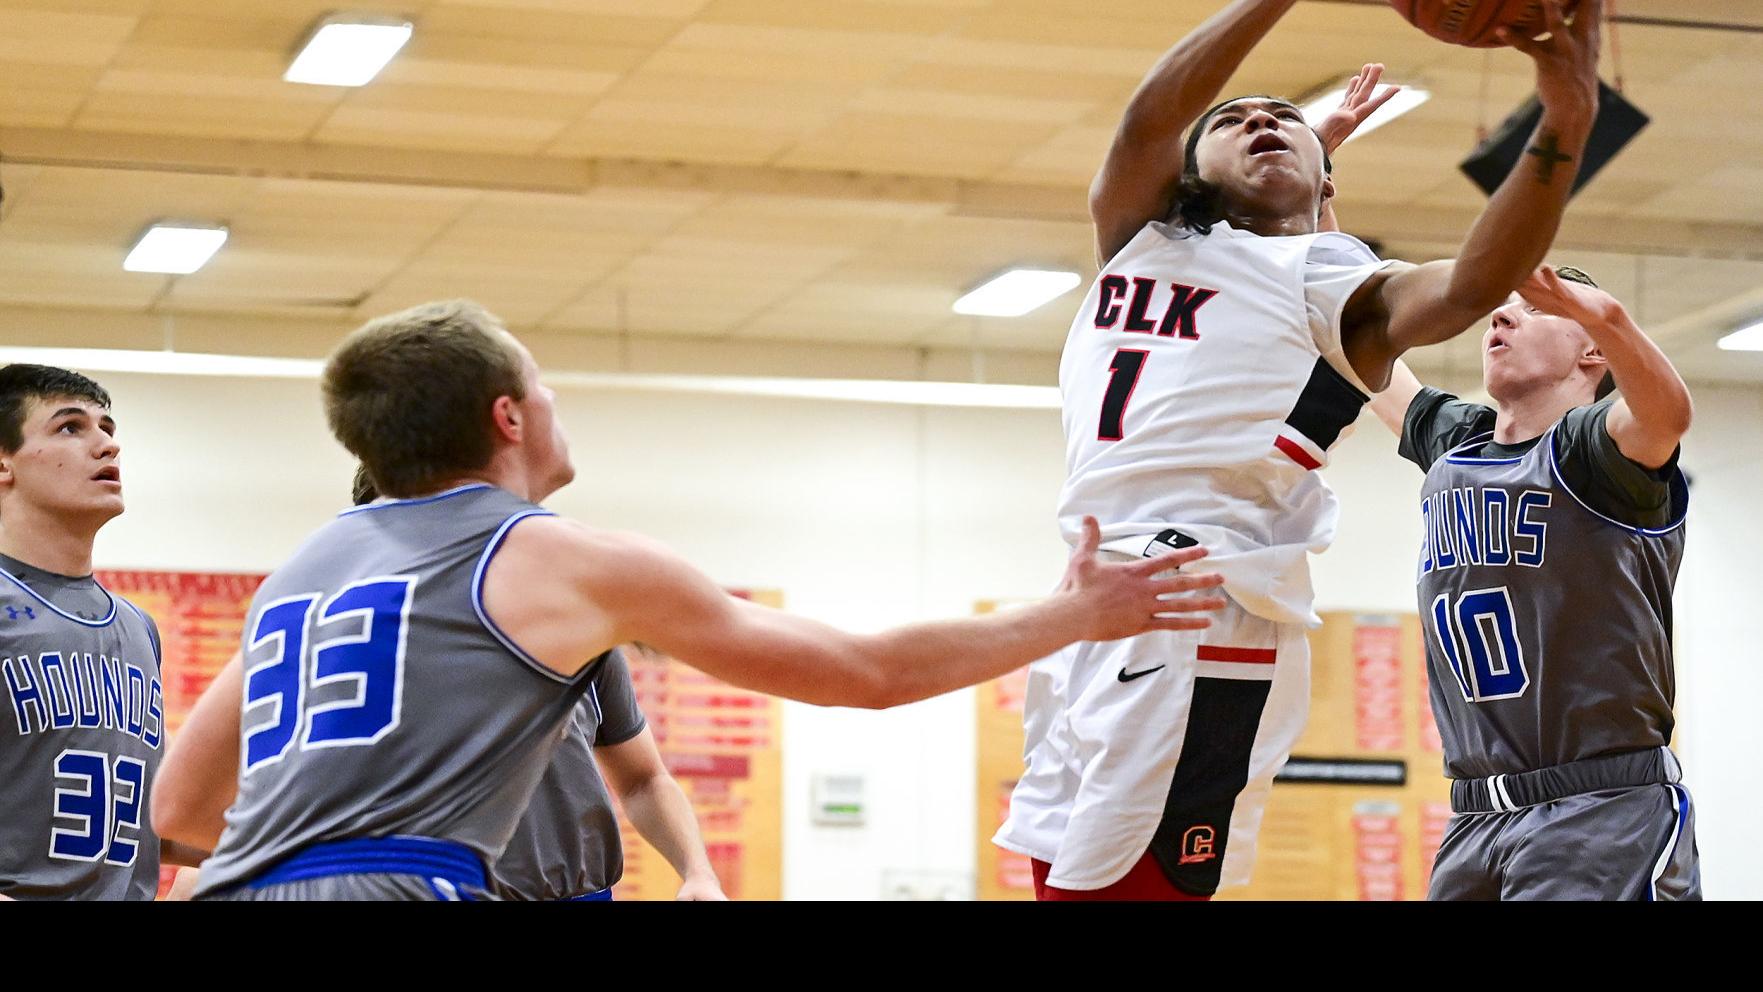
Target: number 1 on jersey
x=1124 y=378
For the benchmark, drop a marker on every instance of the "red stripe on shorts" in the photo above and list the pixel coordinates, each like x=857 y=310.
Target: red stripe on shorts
x=1244 y=656
x=1296 y=452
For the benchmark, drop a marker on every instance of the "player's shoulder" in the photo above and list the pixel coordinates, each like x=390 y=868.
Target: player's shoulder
x=1340 y=248
x=568 y=547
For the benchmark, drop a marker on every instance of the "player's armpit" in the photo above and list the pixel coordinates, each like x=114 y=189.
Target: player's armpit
x=534 y=591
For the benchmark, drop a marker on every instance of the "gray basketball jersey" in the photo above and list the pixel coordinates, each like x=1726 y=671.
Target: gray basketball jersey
x=567 y=843
x=81 y=736
x=1547 y=623
x=380 y=699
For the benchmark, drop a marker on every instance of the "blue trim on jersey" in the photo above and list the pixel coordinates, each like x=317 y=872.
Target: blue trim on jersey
x=382 y=504
x=1479 y=439
x=111 y=616
x=604 y=895
x=443 y=859
x=1680 y=494
x=483 y=615
x=152 y=631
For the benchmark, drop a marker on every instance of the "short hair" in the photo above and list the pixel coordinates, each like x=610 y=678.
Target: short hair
x=1607 y=384
x=409 y=394
x=21 y=383
x=1200 y=204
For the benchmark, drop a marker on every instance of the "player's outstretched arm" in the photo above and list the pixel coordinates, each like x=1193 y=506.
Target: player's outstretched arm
x=1410 y=306
x=1137 y=182
x=603 y=588
x=1391 y=405
x=199 y=778
x=1653 y=412
x=658 y=808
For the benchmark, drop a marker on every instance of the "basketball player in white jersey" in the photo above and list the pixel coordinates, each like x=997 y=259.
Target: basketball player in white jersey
x=1225 y=346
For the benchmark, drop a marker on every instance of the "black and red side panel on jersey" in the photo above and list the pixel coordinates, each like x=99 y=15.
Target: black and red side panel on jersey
x=1328 y=405
x=1223 y=718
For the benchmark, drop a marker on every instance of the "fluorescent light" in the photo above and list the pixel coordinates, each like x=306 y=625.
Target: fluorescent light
x=1401 y=103
x=348 y=50
x=1744 y=339
x=175 y=249
x=1016 y=292
x=905 y=392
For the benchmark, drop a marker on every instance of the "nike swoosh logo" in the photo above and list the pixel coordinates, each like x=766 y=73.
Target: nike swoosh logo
x=1137 y=675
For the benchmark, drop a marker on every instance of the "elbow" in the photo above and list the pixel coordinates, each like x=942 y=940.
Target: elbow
x=880 y=693
x=1683 y=416
x=878 y=685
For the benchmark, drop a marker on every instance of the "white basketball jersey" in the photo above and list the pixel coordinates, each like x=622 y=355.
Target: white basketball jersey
x=1203 y=384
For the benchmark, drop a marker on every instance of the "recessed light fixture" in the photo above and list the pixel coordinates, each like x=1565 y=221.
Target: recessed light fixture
x=1747 y=338
x=348 y=49
x=1409 y=98
x=175 y=248
x=1016 y=292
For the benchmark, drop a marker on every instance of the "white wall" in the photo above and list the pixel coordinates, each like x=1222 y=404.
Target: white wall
x=866 y=516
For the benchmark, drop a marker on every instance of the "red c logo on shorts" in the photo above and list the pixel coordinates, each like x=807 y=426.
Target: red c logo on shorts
x=1196 y=845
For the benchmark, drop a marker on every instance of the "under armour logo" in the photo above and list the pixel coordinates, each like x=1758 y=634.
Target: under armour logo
x=13 y=611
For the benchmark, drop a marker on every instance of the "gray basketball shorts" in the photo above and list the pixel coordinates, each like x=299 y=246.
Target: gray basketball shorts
x=359 y=887
x=1624 y=844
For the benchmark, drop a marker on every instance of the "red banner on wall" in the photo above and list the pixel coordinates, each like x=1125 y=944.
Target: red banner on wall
x=201 y=618
x=1377 y=686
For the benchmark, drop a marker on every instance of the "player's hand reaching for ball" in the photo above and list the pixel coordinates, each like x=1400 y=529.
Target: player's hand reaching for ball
x=1121 y=599
x=1567 y=57
x=1362 y=100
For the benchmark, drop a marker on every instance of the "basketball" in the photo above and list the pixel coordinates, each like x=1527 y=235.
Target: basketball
x=1472 y=22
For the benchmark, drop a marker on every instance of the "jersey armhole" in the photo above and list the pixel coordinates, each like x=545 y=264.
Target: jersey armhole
x=1679 y=488
x=152 y=632
x=483 y=615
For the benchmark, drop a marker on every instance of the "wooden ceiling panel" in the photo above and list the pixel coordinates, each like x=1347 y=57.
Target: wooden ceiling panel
x=470 y=19
x=438 y=130
x=708 y=143
x=47 y=36
x=801 y=169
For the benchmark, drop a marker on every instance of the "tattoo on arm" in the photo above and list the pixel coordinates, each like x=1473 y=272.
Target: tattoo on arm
x=1548 y=150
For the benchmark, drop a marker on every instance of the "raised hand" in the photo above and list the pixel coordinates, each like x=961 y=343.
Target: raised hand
x=1566 y=55
x=1356 y=107
x=1589 y=306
